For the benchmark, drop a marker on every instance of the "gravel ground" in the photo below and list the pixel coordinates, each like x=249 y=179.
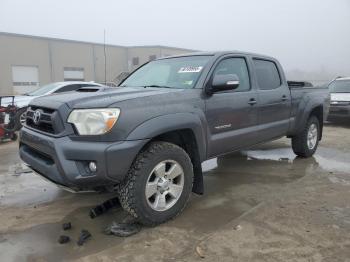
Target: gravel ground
x=263 y=204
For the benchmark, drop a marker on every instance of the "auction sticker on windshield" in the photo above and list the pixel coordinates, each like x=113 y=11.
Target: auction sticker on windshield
x=190 y=69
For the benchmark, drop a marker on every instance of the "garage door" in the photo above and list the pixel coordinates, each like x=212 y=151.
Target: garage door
x=73 y=74
x=25 y=78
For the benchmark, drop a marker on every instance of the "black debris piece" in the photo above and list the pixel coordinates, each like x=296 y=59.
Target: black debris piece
x=104 y=207
x=63 y=239
x=67 y=226
x=84 y=236
x=123 y=229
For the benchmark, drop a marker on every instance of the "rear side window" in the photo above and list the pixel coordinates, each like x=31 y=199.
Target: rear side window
x=267 y=74
x=68 y=88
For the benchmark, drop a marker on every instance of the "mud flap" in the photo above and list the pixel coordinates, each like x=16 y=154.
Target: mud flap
x=198 y=184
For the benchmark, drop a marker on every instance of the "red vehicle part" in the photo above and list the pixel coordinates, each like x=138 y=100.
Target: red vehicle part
x=7 y=119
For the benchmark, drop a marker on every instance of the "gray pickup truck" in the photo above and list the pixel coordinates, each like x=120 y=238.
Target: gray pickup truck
x=147 y=139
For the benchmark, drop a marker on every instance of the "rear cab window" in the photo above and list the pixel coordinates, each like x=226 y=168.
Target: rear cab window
x=267 y=73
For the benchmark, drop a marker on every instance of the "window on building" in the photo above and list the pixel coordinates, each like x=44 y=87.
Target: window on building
x=267 y=74
x=236 y=66
x=135 y=61
x=73 y=74
x=25 y=78
x=152 y=57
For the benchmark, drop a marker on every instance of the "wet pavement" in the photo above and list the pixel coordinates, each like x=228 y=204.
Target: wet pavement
x=256 y=189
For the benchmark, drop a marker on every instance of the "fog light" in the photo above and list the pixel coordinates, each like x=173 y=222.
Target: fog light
x=92 y=166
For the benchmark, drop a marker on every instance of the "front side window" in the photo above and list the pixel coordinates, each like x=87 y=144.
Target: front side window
x=179 y=72
x=236 y=66
x=267 y=74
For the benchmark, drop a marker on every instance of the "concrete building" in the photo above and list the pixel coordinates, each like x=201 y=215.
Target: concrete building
x=27 y=62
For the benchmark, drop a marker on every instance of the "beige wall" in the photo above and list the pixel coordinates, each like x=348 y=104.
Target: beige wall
x=69 y=54
x=22 y=51
x=116 y=62
x=143 y=54
x=52 y=55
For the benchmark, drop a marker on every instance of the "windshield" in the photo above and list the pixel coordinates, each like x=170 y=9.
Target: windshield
x=340 y=86
x=180 y=72
x=44 y=89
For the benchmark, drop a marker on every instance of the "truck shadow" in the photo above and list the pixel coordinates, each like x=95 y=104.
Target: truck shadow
x=234 y=184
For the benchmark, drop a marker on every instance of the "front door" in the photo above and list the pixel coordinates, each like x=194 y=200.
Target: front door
x=232 y=115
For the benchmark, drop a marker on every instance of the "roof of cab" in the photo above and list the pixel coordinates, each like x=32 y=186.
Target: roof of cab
x=219 y=53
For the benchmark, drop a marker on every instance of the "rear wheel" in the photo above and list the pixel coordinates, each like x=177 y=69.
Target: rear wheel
x=305 y=144
x=158 y=184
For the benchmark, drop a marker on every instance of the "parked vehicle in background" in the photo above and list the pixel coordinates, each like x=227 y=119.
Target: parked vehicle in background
x=340 y=99
x=147 y=139
x=21 y=102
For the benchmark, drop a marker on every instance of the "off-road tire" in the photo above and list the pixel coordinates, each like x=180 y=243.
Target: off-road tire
x=299 y=142
x=131 y=191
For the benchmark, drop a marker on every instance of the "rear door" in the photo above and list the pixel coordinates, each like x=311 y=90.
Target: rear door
x=232 y=115
x=274 y=100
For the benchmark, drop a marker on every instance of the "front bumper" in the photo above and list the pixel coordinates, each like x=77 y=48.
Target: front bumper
x=65 y=162
x=339 y=111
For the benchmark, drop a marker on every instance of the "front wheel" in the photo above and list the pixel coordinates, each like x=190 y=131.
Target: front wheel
x=305 y=144
x=158 y=184
x=20 y=118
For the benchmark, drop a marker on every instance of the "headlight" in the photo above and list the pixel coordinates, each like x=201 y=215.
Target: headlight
x=94 y=121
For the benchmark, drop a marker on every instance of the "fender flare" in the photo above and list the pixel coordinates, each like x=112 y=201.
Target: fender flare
x=304 y=113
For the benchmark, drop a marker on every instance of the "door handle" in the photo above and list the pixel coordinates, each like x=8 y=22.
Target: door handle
x=284 y=98
x=252 y=101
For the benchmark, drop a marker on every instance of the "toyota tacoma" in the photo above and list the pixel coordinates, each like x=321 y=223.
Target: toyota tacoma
x=147 y=139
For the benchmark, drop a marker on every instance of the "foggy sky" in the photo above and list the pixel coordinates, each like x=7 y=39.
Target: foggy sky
x=312 y=35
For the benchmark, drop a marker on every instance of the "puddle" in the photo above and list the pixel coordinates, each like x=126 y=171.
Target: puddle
x=27 y=189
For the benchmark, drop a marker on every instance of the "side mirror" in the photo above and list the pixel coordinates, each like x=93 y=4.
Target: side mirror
x=224 y=82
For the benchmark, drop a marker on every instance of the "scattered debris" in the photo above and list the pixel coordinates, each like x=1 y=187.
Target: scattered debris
x=66 y=226
x=200 y=252
x=63 y=239
x=238 y=227
x=104 y=207
x=84 y=236
x=123 y=229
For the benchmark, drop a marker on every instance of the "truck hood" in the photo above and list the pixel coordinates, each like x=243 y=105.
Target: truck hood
x=344 y=97
x=100 y=99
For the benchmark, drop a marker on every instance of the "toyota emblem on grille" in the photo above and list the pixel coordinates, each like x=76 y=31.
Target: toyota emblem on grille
x=36 y=117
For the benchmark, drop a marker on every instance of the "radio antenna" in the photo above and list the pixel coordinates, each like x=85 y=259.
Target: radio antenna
x=104 y=53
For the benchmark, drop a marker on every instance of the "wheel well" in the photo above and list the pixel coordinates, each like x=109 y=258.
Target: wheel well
x=186 y=139
x=318 y=112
